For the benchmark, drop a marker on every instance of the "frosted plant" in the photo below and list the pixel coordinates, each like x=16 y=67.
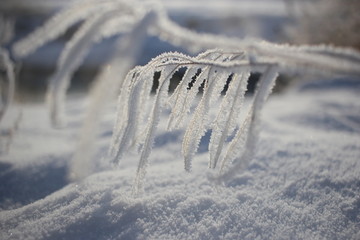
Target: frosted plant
x=7 y=78
x=7 y=82
x=6 y=29
x=237 y=59
x=212 y=69
x=101 y=19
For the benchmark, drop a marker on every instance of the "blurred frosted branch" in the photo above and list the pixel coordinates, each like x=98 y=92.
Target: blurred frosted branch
x=7 y=82
x=334 y=22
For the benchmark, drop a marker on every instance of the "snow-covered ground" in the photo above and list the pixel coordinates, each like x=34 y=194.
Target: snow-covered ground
x=304 y=182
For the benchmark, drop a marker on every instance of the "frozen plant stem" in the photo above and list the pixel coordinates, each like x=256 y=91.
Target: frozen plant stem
x=70 y=59
x=112 y=75
x=8 y=85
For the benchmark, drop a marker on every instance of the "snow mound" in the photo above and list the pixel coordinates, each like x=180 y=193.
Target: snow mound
x=304 y=182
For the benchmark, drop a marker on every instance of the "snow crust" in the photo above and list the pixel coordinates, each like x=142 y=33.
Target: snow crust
x=304 y=182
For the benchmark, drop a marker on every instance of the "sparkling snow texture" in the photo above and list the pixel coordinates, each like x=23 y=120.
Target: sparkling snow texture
x=304 y=182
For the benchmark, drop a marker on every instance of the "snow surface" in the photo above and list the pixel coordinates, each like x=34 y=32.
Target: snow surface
x=304 y=182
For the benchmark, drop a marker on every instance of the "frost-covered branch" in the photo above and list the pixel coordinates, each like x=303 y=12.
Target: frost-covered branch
x=110 y=17
x=7 y=82
x=211 y=69
x=112 y=75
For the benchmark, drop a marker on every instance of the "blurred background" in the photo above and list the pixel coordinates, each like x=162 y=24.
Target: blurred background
x=335 y=22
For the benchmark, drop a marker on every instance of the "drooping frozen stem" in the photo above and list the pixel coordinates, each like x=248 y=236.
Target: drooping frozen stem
x=211 y=69
x=112 y=75
x=60 y=22
x=7 y=82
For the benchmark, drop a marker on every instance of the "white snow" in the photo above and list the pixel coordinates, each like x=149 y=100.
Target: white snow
x=304 y=182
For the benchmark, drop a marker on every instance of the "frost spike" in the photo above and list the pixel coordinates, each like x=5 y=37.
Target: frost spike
x=128 y=124
x=229 y=111
x=186 y=99
x=264 y=89
x=151 y=128
x=178 y=98
x=237 y=145
x=198 y=124
x=147 y=79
